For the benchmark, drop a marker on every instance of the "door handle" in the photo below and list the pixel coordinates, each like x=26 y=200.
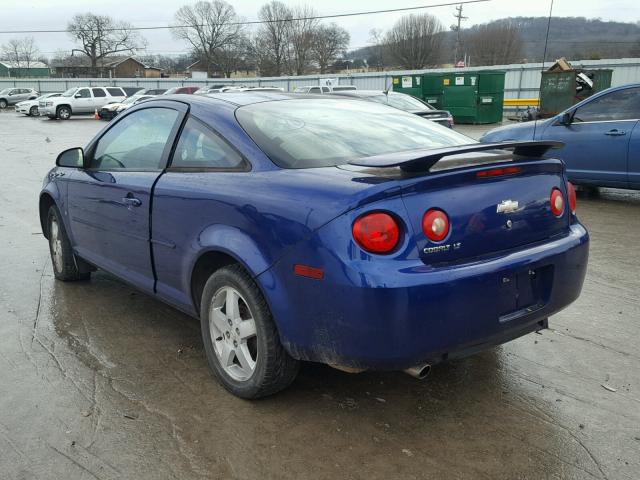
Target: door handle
x=131 y=201
x=615 y=132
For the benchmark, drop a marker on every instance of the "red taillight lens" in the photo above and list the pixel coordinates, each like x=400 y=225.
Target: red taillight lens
x=435 y=225
x=571 y=193
x=376 y=232
x=557 y=202
x=498 y=172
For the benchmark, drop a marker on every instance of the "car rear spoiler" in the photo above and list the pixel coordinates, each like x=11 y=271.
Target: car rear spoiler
x=422 y=160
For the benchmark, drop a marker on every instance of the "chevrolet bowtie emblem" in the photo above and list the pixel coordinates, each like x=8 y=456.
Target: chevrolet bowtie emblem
x=507 y=206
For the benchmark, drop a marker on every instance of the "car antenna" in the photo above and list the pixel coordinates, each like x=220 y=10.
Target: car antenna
x=544 y=56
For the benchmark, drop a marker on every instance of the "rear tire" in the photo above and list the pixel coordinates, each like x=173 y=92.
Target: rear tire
x=65 y=264
x=240 y=338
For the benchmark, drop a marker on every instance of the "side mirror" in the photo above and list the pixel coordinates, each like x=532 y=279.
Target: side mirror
x=566 y=118
x=74 y=158
x=77 y=95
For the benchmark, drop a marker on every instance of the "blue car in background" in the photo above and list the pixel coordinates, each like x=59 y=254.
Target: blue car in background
x=601 y=137
x=318 y=228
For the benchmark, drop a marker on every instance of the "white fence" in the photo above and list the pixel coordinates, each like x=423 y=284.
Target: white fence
x=522 y=80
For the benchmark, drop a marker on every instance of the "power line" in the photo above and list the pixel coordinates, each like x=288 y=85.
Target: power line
x=256 y=22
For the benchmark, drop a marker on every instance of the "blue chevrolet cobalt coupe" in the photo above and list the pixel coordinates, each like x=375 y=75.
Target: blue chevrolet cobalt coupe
x=321 y=229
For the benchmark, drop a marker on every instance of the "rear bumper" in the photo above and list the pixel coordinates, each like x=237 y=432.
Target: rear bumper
x=361 y=317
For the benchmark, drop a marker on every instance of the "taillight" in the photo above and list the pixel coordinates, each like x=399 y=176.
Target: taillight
x=571 y=193
x=557 y=202
x=376 y=232
x=435 y=225
x=498 y=172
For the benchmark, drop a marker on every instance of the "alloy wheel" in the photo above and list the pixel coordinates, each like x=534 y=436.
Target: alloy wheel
x=233 y=333
x=56 y=245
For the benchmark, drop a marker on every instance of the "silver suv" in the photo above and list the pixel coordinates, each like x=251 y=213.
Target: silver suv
x=80 y=100
x=11 y=96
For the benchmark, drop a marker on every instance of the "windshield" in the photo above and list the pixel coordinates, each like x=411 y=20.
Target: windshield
x=130 y=100
x=6 y=90
x=305 y=133
x=70 y=92
x=401 y=101
x=171 y=90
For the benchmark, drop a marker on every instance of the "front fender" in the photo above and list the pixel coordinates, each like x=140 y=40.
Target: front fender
x=51 y=195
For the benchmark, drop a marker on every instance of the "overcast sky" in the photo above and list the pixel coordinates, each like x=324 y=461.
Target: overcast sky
x=54 y=14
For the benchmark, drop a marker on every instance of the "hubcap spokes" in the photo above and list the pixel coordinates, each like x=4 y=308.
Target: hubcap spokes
x=233 y=333
x=56 y=245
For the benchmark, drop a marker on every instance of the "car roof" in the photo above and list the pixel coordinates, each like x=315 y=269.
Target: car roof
x=363 y=93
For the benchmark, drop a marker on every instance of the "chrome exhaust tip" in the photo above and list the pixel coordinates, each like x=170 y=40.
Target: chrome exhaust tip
x=419 y=371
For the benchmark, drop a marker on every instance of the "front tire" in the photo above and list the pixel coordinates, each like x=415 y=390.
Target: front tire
x=3 y=104
x=65 y=265
x=240 y=338
x=63 y=113
x=33 y=111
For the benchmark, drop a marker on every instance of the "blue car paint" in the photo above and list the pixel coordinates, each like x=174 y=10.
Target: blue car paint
x=369 y=311
x=593 y=153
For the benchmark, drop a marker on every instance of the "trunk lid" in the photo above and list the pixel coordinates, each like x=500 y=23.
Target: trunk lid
x=487 y=215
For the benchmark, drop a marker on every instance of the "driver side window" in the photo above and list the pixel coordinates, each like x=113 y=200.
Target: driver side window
x=619 y=105
x=83 y=93
x=137 y=142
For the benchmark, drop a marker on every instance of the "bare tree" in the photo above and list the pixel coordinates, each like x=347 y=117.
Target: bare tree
x=100 y=36
x=415 y=41
x=377 y=51
x=494 y=44
x=329 y=41
x=21 y=51
x=271 y=42
x=301 y=38
x=210 y=28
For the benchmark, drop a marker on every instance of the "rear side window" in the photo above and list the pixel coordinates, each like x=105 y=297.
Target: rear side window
x=98 y=92
x=306 y=133
x=115 y=92
x=200 y=147
x=137 y=142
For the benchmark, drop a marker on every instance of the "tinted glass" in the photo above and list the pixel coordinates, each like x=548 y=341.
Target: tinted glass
x=317 y=132
x=115 y=92
x=98 y=92
x=619 y=105
x=314 y=90
x=200 y=147
x=83 y=93
x=136 y=142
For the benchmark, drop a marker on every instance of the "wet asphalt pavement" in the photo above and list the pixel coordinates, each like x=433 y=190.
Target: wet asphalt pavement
x=98 y=381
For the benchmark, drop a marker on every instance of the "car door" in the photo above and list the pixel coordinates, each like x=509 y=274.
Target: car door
x=82 y=101
x=188 y=198
x=99 y=98
x=597 y=138
x=109 y=201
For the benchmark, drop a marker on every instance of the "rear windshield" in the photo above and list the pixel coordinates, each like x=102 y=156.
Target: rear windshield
x=401 y=101
x=306 y=133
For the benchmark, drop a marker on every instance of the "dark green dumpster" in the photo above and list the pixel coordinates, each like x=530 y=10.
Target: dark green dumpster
x=559 y=89
x=409 y=84
x=474 y=97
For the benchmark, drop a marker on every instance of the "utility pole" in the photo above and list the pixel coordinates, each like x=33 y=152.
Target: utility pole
x=460 y=18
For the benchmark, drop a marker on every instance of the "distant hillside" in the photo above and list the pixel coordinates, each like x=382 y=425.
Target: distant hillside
x=570 y=37
x=575 y=37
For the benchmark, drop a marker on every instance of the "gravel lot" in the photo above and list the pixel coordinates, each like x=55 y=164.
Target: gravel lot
x=98 y=381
